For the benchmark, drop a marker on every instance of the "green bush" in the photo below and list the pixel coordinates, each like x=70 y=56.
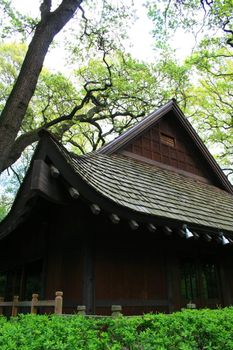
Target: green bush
x=186 y=330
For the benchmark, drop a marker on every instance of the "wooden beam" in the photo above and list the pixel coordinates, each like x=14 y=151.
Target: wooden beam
x=151 y=227
x=88 y=276
x=114 y=218
x=54 y=171
x=95 y=209
x=133 y=224
x=167 y=230
x=207 y=237
x=74 y=193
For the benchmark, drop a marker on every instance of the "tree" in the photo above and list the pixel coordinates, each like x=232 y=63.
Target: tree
x=97 y=33
x=212 y=18
x=104 y=98
x=210 y=69
x=16 y=105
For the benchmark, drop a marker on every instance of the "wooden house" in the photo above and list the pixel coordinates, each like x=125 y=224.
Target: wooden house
x=145 y=222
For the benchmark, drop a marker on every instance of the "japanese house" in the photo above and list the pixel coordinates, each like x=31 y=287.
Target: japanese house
x=145 y=222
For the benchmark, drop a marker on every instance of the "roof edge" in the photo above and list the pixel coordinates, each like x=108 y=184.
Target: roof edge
x=128 y=135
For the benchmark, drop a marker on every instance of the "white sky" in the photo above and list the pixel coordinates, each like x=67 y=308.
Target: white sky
x=140 y=38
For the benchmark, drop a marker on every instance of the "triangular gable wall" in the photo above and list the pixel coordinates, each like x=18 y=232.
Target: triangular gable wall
x=167 y=143
x=189 y=152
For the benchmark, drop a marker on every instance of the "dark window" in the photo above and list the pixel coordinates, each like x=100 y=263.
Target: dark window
x=33 y=279
x=199 y=279
x=210 y=281
x=167 y=140
x=13 y=284
x=22 y=281
x=189 y=280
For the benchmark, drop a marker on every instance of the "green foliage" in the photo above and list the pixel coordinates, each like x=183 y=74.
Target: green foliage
x=208 y=101
x=3 y=212
x=186 y=330
x=211 y=18
x=14 y=22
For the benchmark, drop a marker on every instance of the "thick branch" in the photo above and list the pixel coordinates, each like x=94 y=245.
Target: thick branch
x=17 y=103
x=45 y=8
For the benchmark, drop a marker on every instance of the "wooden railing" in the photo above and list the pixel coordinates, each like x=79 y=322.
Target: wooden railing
x=56 y=304
x=33 y=304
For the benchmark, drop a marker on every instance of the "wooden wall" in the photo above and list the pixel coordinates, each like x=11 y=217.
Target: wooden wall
x=97 y=263
x=181 y=153
x=130 y=270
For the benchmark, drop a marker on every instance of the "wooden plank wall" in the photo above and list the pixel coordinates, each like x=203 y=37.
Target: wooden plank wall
x=130 y=269
x=97 y=263
x=183 y=155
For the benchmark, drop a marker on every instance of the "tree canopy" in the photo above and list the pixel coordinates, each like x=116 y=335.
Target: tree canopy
x=107 y=89
x=209 y=66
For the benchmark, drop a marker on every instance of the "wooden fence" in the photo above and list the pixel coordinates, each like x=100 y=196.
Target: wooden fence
x=56 y=304
x=33 y=304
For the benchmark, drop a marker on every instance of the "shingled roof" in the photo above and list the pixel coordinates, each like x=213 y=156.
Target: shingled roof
x=154 y=191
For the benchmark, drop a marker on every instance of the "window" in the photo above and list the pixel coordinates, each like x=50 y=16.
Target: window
x=199 y=279
x=167 y=140
x=210 y=281
x=13 y=283
x=189 y=280
x=22 y=281
x=32 y=279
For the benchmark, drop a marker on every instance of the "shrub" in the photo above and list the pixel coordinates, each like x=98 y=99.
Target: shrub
x=186 y=330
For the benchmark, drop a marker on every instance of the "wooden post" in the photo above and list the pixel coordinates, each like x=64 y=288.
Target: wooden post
x=81 y=310
x=116 y=310
x=88 y=276
x=54 y=171
x=34 y=303
x=133 y=224
x=114 y=218
x=1 y=307
x=58 y=303
x=74 y=193
x=95 y=209
x=15 y=306
x=191 y=305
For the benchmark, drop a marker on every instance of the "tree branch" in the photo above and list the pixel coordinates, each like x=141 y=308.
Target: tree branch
x=17 y=103
x=45 y=8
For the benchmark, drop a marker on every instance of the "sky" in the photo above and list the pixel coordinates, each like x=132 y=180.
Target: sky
x=140 y=43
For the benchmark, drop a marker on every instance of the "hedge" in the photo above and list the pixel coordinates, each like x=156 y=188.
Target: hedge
x=186 y=330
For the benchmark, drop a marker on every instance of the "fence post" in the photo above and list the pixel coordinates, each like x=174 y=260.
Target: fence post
x=34 y=303
x=1 y=307
x=58 y=303
x=116 y=310
x=15 y=306
x=81 y=310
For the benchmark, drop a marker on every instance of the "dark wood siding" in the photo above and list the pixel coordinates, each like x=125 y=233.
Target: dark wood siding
x=65 y=255
x=130 y=271
x=97 y=263
x=177 y=151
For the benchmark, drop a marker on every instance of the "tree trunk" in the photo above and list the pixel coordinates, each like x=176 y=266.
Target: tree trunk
x=14 y=111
